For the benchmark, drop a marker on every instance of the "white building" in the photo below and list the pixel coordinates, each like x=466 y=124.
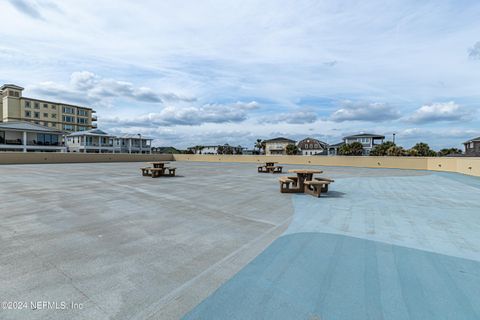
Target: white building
x=29 y=137
x=90 y=141
x=133 y=143
x=98 y=141
x=217 y=149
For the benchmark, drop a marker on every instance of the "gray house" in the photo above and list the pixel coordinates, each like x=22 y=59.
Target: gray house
x=368 y=141
x=472 y=147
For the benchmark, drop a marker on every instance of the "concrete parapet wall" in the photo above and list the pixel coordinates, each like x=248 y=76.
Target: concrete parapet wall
x=56 y=157
x=465 y=165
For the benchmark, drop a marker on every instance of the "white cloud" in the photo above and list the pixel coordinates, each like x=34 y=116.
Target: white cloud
x=296 y=117
x=441 y=111
x=474 y=52
x=362 y=111
x=190 y=116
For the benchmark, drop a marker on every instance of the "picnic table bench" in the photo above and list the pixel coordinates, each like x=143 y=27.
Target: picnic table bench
x=158 y=172
x=316 y=187
x=270 y=167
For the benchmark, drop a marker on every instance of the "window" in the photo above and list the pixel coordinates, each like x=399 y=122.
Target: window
x=54 y=107
x=68 y=119
x=17 y=94
x=81 y=120
x=36 y=105
x=68 y=110
x=45 y=115
x=27 y=104
x=68 y=127
x=10 y=92
x=28 y=113
x=82 y=112
x=45 y=105
x=36 y=114
x=2 y=137
x=47 y=139
x=54 y=116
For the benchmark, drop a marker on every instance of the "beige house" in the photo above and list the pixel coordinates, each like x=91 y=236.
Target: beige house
x=55 y=115
x=29 y=137
x=277 y=146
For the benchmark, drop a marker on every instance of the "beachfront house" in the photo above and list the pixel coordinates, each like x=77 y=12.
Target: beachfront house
x=368 y=141
x=23 y=136
x=312 y=147
x=277 y=146
x=472 y=147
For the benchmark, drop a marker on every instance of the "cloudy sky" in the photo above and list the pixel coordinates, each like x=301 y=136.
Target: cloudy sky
x=207 y=72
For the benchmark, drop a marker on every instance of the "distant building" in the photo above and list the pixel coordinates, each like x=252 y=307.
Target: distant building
x=98 y=141
x=472 y=147
x=216 y=149
x=312 y=147
x=54 y=115
x=27 y=137
x=368 y=141
x=333 y=148
x=277 y=146
x=133 y=143
x=165 y=150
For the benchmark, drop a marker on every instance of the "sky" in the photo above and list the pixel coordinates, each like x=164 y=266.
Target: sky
x=212 y=72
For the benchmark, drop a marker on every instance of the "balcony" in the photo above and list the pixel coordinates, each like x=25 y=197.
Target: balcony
x=94 y=117
x=94 y=126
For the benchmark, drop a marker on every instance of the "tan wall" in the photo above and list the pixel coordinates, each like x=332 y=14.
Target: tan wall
x=467 y=165
x=55 y=157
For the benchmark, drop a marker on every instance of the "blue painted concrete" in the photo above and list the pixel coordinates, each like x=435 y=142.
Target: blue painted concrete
x=383 y=247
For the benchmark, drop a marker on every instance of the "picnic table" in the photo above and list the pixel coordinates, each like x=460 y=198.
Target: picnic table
x=304 y=175
x=159 y=164
x=270 y=167
x=158 y=170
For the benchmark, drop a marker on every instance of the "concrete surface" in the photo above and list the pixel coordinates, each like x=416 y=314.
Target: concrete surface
x=383 y=244
x=127 y=246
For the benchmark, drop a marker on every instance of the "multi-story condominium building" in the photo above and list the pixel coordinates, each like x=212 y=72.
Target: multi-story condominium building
x=27 y=137
x=472 y=147
x=311 y=147
x=368 y=141
x=55 y=115
x=98 y=141
x=277 y=146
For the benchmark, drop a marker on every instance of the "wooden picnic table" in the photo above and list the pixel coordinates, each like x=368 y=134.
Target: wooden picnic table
x=270 y=163
x=159 y=164
x=304 y=175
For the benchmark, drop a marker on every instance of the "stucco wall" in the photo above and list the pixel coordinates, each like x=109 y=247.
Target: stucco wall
x=467 y=165
x=55 y=157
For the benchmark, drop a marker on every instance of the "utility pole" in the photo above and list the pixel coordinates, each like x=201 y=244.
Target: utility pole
x=394 y=137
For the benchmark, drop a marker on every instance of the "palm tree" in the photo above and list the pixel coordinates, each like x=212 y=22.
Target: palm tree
x=260 y=145
x=291 y=149
x=351 y=149
x=423 y=150
x=382 y=149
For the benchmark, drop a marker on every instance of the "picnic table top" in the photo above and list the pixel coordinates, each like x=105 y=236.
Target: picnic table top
x=159 y=162
x=305 y=171
x=271 y=161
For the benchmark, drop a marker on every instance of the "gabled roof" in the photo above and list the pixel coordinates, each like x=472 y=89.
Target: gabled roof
x=26 y=126
x=10 y=85
x=280 y=139
x=472 y=140
x=91 y=132
x=365 y=135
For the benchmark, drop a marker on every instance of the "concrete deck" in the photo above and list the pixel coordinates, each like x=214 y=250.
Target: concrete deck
x=127 y=246
x=384 y=244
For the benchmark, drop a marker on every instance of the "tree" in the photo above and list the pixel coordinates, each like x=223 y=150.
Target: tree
x=381 y=149
x=291 y=149
x=395 y=151
x=423 y=150
x=449 y=151
x=260 y=145
x=351 y=149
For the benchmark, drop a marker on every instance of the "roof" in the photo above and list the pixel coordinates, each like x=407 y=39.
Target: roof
x=365 y=135
x=317 y=144
x=133 y=136
x=91 y=132
x=12 y=86
x=336 y=144
x=26 y=126
x=280 y=139
x=58 y=103
x=472 y=140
